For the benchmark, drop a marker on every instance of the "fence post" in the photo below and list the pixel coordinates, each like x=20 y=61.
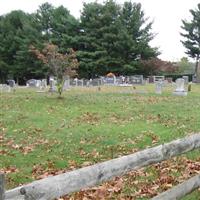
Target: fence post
x=2 y=186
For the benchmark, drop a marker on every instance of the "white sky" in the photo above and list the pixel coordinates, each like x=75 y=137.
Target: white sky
x=167 y=16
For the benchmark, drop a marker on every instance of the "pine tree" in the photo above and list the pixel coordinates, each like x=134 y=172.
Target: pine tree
x=192 y=38
x=114 y=38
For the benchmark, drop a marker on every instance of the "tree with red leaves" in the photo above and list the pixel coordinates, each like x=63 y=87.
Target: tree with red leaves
x=59 y=64
x=156 y=66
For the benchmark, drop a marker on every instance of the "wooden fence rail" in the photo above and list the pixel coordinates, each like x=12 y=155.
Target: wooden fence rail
x=180 y=190
x=66 y=183
x=2 y=186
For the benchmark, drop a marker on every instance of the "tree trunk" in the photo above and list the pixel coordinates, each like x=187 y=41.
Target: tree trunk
x=197 y=70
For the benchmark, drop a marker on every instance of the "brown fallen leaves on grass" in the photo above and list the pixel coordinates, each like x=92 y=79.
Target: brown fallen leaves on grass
x=24 y=148
x=152 y=99
x=146 y=182
x=25 y=145
x=89 y=118
x=9 y=169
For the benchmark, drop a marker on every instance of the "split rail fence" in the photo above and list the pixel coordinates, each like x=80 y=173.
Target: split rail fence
x=56 y=186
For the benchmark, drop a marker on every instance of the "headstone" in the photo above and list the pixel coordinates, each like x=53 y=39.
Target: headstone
x=159 y=86
x=96 y=82
x=79 y=82
x=76 y=81
x=66 y=84
x=11 y=83
x=42 y=85
x=151 y=79
x=123 y=79
x=88 y=83
x=5 y=88
x=52 y=84
x=186 y=78
x=73 y=82
x=101 y=80
x=111 y=80
x=180 y=89
x=194 y=78
x=169 y=80
x=38 y=83
x=31 y=83
x=189 y=87
x=136 y=79
x=158 y=78
x=147 y=81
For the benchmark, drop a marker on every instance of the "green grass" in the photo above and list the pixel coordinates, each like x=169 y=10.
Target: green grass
x=40 y=131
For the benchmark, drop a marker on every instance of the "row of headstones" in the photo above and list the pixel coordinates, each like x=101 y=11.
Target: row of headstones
x=121 y=81
x=96 y=82
x=154 y=79
x=118 y=81
x=180 y=87
x=41 y=84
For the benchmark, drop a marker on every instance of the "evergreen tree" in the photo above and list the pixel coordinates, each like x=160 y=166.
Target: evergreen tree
x=19 y=30
x=192 y=38
x=113 y=38
x=57 y=25
x=108 y=38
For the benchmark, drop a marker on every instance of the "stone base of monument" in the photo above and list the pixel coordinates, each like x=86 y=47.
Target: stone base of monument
x=52 y=90
x=40 y=91
x=180 y=93
x=125 y=85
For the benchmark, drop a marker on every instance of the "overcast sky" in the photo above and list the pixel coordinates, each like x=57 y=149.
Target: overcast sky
x=167 y=16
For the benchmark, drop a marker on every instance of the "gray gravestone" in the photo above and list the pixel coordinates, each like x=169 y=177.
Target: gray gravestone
x=31 y=83
x=159 y=86
x=136 y=79
x=110 y=80
x=11 y=83
x=158 y=78
x=96 y=82
x=52 y=84
x=80 y=82
x=5 y=88
x=38 y=83
x=66 y=84
x=186 y=78
x=180 y=88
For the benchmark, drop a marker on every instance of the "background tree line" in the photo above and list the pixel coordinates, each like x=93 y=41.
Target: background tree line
x=107 y=38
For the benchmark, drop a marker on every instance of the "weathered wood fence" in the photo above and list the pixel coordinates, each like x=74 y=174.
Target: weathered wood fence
x=66 y=183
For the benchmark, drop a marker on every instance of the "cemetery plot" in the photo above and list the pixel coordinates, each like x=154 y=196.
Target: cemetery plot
x=41 y=136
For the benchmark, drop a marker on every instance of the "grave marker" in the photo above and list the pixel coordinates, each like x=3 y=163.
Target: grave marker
x=180 y=89
x=159 y=86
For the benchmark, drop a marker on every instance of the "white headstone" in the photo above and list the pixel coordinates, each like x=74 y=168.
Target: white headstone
x=38 y=83
x=5 y=88
x=186 y=78
x=159 y=86
x=42 y=85
x=52 y=84
x=66 y=84
x=76 y=81
x=180 y=89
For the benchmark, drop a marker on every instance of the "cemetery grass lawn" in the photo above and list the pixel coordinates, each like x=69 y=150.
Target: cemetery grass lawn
x=41 y=135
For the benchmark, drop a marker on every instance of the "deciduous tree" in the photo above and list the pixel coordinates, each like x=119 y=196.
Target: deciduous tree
x=58 y=64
